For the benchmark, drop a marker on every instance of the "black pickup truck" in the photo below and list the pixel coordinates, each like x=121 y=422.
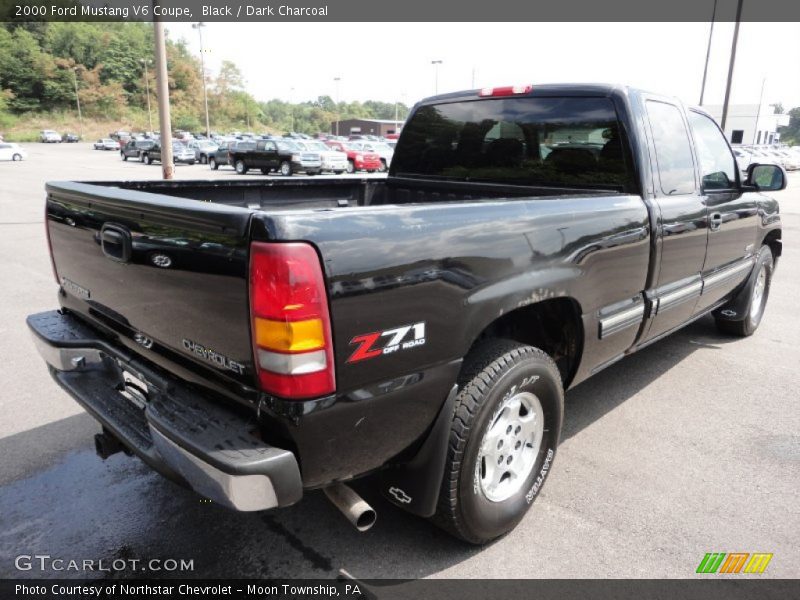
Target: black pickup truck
x=283 y=156
x=254 y=339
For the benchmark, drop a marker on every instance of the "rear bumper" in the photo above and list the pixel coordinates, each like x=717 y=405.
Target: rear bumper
x=174 y=429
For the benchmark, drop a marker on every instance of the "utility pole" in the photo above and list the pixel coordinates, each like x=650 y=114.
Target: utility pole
x=337 y=80
x=145 y=63
x=199 y=27
x=162 y=87
x=708 y=53
x=436 y=64
x=77 y=99
x=730 y=66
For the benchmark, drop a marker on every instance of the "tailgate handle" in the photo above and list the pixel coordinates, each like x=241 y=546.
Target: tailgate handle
x=115 y=241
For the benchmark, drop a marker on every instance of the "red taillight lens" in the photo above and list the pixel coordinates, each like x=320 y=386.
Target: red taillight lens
x=292 y=342
x=508 y=90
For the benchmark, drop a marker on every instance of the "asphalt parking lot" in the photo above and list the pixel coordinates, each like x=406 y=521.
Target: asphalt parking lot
x=688 y=447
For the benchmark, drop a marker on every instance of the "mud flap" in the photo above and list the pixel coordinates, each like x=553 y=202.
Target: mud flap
x=414 y=486
x=739 y=307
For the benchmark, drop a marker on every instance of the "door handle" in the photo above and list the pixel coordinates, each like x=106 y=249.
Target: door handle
x=715 y=221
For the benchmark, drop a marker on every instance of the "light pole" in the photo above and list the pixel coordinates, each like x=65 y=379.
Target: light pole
x=436 y=64
x=396 y=120
x=77 y=99
x=145 y=64
x=199 y=27
x=337 y=80
x=291 y=103
x=724 y=120
x=708 y=53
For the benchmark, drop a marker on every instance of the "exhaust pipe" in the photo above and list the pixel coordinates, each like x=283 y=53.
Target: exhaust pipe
x=353 y=506
x=106 y=445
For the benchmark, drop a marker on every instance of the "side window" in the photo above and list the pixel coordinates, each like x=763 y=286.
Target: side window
x=261 y=145
x=716 y=161
x=270 y=146
x=673 y=150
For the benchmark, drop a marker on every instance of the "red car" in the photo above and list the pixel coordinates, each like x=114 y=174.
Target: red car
x=357 y=160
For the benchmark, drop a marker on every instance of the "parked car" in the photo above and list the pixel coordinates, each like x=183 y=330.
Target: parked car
x=136 y=149
x=357 y=159
x=332 y=161
x=48 y=136
x=382 y=149
x=281 y=155
x=202 y=149
x=9 y=151
x=220 y=156
x=789 y=160
x=70 y=138
x=106 y=144
x=180 y=154
x=419 y=329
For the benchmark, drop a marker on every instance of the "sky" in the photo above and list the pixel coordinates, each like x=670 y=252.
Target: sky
x=392 y=61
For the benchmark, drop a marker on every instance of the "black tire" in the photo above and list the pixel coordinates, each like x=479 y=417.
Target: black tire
x=383 y=168
x=240 y=167
x=338 y=172
x=148 y=159
x=203 y=159
x=16 y=157
x=496 y=371
x=351 y=166
x=212 y=162
x=754 y=301
x=286 y=169
x=190 y=163
x=265 y=170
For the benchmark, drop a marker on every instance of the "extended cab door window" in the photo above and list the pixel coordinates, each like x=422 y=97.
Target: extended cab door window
x=732 y=214
x=673 y=149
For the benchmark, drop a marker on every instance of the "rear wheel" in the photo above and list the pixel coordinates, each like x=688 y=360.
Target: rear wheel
x=16 y=157
x=148 y=159
x=502 y=441
x=286 y=168
x=240 y=167
x=212 y=162
x=124 y=156
x=756 y=293
x=351 y=167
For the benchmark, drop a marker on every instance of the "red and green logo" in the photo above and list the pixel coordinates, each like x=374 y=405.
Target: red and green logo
x=734 y=562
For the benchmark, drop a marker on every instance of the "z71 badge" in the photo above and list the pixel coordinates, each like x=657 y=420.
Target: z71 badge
x=378 y=343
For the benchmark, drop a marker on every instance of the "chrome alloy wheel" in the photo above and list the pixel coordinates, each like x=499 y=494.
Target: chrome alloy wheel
x=510 y=446
x=757 y=302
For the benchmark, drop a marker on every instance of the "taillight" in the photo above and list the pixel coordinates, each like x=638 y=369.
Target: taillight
x=508 y=90
x=292 y=342
x=50 y=244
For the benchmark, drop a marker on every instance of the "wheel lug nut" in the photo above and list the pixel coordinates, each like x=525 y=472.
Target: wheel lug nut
x=500 y=460
x=518 y=429
x=509 y=429
x=510 y=458
x=517 y=445
x=499 y=444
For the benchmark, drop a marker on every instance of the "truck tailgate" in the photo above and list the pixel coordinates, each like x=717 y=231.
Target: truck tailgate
x=167 y=275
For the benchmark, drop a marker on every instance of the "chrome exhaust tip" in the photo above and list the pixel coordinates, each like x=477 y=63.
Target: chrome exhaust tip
x=352 y=506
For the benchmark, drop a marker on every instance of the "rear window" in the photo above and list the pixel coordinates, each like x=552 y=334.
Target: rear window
x=561 y=142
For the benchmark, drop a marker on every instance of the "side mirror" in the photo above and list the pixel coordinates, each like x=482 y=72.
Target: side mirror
x=766 y=178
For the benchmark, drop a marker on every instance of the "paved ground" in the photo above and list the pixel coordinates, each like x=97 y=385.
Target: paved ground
x=689 y=447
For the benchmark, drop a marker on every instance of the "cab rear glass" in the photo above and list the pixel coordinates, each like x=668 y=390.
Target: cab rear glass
x=560 y=142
